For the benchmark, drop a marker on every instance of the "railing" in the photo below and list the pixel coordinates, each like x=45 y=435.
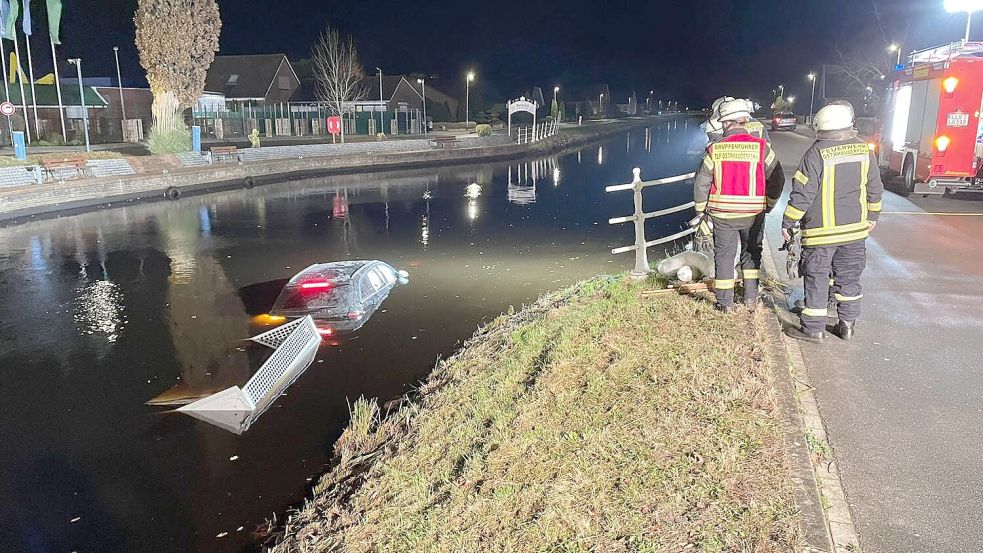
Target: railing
x=641 y=246
x=526 y=135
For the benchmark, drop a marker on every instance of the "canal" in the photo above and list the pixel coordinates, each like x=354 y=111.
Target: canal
x=104 y=311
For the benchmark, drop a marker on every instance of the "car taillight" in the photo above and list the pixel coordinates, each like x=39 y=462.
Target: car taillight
x=942 y=144
x=872 y=146
x=325 y=331
x=950 y=85
x=315 y=285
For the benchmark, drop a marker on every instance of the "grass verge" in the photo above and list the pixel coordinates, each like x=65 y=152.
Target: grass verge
x=593 y=420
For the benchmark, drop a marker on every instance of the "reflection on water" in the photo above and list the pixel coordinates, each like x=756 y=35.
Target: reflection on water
x=130 y=303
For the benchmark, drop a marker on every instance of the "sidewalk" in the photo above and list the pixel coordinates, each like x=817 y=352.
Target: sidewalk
x=901 y=402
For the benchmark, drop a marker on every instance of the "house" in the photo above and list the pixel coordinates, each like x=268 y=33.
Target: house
x=589 y=101
x=253 y=79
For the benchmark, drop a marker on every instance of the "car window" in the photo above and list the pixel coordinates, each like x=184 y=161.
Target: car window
x=387 y=274
x=366 y=286
x=375 y=278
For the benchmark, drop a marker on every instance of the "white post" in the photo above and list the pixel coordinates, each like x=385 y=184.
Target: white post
x=30 y=72
x=23 y=97
x=61 y=108
x=6 y=88
x=534 y=122
x=641 y=269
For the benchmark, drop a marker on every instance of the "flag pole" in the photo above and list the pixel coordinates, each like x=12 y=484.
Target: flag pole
x=34 y=96
x=6 y=87
x=20 y=80
x=61 y=108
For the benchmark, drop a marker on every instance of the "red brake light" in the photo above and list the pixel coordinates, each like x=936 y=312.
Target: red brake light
x=950 y=85
x=325 y=331
x=315 y=284
x=942 y=144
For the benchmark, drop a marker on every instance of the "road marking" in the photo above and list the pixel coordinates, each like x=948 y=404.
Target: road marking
x=937 y=213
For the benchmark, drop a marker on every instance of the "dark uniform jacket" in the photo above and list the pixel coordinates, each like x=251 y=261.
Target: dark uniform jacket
x=774 y=183
x=756 y=129
x=836 y=192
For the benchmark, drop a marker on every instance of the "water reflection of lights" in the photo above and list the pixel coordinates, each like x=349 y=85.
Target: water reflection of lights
x=556 y=176
x=473 y=190
x=600 y=155
x=472 y=209
x=99 y=309
x=425 y=231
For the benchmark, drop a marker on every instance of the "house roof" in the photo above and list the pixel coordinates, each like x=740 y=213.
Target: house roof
x=248 y=76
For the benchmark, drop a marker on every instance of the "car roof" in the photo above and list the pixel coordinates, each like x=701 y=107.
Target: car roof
x=336 y=271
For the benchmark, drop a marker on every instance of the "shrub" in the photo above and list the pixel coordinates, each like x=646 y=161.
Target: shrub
x=173 y=142
x=483 y=130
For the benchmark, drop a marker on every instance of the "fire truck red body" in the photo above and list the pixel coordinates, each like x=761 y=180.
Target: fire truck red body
x=930 y=131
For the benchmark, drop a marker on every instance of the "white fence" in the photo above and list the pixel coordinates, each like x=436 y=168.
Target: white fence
x=640 y=247
x=526 y=135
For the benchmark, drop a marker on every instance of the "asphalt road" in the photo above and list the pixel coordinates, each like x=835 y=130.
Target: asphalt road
x=903 y=402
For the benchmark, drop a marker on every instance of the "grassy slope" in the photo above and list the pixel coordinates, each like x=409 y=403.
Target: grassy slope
x=594 y=420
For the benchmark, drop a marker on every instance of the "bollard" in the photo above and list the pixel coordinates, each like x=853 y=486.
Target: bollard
x=20 y=148
x=642 y=268
x=196 y=139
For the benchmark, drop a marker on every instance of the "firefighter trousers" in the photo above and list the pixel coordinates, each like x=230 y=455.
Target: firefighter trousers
x=846 y=263
x=728 y=237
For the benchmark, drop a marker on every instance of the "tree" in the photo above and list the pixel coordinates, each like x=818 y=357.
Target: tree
x=337 y=72
x=177 y=41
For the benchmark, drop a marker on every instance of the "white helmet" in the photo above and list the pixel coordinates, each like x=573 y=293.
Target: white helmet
x=715 y=108
x=750 y=106
x=734 y=110
x=836 y=116
x=713 y=126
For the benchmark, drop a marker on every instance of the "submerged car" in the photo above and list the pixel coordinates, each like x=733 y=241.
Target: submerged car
x=784 y=121
x=339 y=296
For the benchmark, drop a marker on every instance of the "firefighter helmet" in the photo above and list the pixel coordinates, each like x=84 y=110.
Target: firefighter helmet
x=734 y=110
x=715 y=108
x=713 y=126
x=835 y=116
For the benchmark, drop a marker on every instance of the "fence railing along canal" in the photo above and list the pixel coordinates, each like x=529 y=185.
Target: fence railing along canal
x=641 y=245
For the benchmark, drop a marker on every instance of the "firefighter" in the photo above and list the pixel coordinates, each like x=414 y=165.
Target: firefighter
x=754 y=127
x=740 y=179
x=835 y=199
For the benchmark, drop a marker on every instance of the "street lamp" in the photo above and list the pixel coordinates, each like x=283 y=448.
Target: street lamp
x=968 y=6
x=600 y=104
x=381 y=100
x=812 y=100
x=895 y=48
x=423 y=83
x=77 y=62
x=781 y=88
x=791 y=99
x=467 y=100
x=119 y=81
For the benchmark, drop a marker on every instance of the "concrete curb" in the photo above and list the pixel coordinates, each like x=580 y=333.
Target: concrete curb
x=840 y=532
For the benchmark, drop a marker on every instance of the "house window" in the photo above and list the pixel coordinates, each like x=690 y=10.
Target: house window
x=284 y=82
x=233 y=79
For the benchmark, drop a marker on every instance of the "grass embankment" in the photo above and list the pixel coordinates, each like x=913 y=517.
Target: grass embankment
x=11 y=161
x=593 y=420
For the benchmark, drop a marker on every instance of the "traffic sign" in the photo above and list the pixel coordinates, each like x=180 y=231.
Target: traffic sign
x=6 y=108
x=334 y=124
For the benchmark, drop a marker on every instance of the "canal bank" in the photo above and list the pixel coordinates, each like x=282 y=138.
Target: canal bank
x=157 y=181
x=606 y=416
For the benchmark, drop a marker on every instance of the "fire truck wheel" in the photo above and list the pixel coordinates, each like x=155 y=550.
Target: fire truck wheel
x=908 y=173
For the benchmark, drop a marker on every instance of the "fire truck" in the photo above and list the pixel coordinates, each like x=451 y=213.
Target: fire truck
x=931 y=131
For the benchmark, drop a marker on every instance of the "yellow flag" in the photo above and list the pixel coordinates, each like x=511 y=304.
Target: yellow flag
x=47 y=79
x=15 y=69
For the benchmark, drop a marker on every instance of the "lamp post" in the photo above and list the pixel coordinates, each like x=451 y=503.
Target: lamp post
x=600 y=104
x=381 y=100
x=781 y=89
x=467 y=100
x=812 y=101
x=119 y=81
x=77 y=62
x=423 y=83
x=555 y=90
x=968 y=6
x=895 y=48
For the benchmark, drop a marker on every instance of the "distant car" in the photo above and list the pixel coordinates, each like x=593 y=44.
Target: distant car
x=783 y=121
x=340 y=296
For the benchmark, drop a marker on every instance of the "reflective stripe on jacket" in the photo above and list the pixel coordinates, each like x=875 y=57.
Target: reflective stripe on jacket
x=756 y=129
x=836 y=192
x=737 y=178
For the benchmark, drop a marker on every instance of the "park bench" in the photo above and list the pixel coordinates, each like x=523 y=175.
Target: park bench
x=52 y=165
x=222 y=152
x=443 y=141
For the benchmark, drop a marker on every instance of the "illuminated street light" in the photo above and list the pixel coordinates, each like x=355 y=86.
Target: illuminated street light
x=791 y=99
x=968 y=6
x=467 y=100
x=895 y=48
x=423 y=83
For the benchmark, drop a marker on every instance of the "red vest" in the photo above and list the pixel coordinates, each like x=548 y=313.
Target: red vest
x=738 y=176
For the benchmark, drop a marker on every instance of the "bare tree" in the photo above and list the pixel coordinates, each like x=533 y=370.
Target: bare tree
x=177 y=41
x=337 y=72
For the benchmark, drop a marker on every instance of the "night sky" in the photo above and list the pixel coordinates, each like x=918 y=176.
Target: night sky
x=693 y=51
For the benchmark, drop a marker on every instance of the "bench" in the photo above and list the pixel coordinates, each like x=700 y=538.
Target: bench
x=76 y=163
x=221 y=152
x=443 y=141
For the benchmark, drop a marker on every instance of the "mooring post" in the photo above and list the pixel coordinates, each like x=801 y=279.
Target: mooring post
x=641 y=269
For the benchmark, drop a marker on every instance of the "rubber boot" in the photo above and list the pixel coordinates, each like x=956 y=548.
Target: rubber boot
x=845 y=329
x=813 y=337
